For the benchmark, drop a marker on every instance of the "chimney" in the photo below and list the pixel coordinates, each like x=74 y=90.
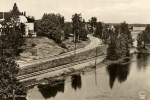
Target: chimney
x=24 y=13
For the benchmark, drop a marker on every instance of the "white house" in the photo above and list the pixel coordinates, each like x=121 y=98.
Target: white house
x=29 y=26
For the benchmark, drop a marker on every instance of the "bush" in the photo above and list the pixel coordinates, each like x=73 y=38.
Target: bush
x=63 y=45
x=33 y=45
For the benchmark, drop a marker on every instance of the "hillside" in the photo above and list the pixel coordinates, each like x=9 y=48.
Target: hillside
x=41 y=47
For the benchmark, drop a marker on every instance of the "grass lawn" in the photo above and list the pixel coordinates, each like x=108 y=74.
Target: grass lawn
x=41 y=47
x=71 y=45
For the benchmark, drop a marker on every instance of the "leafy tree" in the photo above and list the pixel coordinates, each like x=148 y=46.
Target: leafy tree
x=120 y=42
x=8 y=71
x=105 y=34
x=143 y=39
x=125 y=30
x=15 y=11
x=31 y=19
x=84 y=33
x=37 y=27
x=93 y=21
x=61 y=20
x=77 y=24
x=99 y=30
x=83 y=23
x=50 y=26
x=93 y=24
x=11 y=39
x=67 y=30
x=112 y=50
x=148 y=29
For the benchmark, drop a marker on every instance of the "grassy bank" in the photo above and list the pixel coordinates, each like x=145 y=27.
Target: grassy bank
x=41 y=47
x=63 y=61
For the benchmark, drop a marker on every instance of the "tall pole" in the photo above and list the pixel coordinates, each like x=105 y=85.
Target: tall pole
x=75 y=42
x=95 y=67
x=96 y=57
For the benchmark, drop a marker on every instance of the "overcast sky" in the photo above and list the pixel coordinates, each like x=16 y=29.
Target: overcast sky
x=116 y=11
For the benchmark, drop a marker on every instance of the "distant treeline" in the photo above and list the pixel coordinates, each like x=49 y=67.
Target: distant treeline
x=130 y=25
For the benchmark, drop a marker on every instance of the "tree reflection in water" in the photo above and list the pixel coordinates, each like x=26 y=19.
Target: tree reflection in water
x=142 y=61
x=117 y=71
x=49 y=91
x=76 y=82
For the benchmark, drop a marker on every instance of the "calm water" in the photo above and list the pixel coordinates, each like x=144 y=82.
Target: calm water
x=135 y=32
x=108 y=81
x=138 y=28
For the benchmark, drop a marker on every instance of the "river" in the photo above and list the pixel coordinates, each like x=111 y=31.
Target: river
x=115 y=81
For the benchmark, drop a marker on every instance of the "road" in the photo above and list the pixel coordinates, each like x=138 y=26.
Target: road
x=94 y=43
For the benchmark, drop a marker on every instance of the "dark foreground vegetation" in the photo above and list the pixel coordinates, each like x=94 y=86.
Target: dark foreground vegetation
x=10 y=42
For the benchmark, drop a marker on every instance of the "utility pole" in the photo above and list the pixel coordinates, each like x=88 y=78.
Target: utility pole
x=75 y=42
x=96 y=57
x=95 y=68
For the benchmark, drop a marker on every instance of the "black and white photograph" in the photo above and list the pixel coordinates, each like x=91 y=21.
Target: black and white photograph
x=74 y=49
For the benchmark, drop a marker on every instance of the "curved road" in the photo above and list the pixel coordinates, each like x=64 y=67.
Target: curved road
x=94 y=43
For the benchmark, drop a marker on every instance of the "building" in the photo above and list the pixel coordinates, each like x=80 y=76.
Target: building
x=29 y=24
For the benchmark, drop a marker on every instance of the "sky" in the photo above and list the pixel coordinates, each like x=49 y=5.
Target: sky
x=108 y=11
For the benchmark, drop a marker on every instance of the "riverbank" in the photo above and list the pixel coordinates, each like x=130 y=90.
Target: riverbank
x=64 y=76
x=62 y=73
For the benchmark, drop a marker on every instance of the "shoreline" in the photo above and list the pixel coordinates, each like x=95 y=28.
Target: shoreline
x=76 y=69
x=62 y=73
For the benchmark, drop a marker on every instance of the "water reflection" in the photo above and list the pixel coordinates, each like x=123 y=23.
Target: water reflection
x=142 y=63
x=76 y=82
x=117 y=71
x=49 y=91
x=16 y=98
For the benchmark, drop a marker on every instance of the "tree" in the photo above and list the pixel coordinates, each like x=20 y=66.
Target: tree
x=77 y=24
x=67 y=30
x=112 y=50
x=15 y=11
x=143 y=39
x=105 y=34
x=83 y=23
x=11 y=39
x=99 y=30
x=84 y=33
x=128 y=37
x=61 y=20
x=8 y=71
x=148 y=29
x=120 y=42
x=50 y=26
x=93 y=21
x=31 y=19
